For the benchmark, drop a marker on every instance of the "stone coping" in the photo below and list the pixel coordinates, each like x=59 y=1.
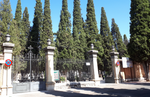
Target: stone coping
x=114 y=53
x=49 y=48
x=93 y=51
x=8 y=44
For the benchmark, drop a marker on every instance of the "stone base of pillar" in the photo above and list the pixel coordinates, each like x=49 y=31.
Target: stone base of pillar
x=4 y=92
x=50 y=86
x=97 y=81
x=141 y=79
x=117 y=81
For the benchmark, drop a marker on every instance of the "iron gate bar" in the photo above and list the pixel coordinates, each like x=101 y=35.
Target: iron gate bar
x=30 y=48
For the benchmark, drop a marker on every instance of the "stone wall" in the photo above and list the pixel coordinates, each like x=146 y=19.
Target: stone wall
x=134 y=73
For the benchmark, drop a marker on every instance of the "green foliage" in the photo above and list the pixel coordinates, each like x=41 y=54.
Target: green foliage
x=25 y=29
x=14 y=33
x=62 y=79
x=99 y=47
x=125 y=40
x=18 y=19
x=91 y=24
x=18 y=13
x=5 y=18
x=64 y=41
x=37 y=27
x=79 y=43
x=139 y=46
x=119 y=45
x=107 y=40
x=47 y=28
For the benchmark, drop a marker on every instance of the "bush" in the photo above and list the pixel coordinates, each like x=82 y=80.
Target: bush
x=62 y=79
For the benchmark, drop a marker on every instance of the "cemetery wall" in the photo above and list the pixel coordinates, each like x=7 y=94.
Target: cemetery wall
x=133 y=73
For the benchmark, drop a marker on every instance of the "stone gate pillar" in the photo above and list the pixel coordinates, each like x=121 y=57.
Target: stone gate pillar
x=8 y=50
x=50 y=82
x=93 y=65
x=115 y=68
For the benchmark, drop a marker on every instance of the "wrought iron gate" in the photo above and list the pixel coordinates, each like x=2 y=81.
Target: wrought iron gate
x=28 y=73
x=78 y=69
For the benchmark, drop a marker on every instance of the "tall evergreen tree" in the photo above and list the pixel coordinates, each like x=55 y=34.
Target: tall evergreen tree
x=120 y=46
x=139 y=46
x=64 y=39
x=14 y=33
x=25 y=28
x=99 y=47
x=125 y=40
x=47 y=27
x=107 y=40
x=18 y=13
x=91 y=24
x=78 y=34
x=37 y=27
x=5 y=18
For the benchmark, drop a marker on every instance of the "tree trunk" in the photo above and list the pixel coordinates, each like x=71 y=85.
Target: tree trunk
x=79 y=75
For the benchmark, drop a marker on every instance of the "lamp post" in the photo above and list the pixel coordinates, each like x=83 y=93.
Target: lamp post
x=7 y=37
x=113 y=48
x=92 y=46
x=48 y=42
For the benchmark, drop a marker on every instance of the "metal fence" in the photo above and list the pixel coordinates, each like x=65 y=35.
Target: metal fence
x=27 y=74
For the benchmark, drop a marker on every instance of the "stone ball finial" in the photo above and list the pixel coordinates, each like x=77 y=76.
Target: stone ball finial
x=113 y=48
x=92 y=46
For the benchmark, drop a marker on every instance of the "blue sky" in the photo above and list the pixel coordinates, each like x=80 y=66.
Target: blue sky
x=117 y=9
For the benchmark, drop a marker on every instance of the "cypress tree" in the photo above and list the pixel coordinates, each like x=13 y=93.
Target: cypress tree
x=47 y=27
x=64 y=41
x=99 y=47
x=91 y=24
x=5 y=18
x=37 y=27
x=78 y=34
x=14 y=33
x=25 y=28
x=139 y=46
x=125 y=40
x=79 y=43
x=120 y=46
x=18 y=13
x=107 y=41
x=84 y=25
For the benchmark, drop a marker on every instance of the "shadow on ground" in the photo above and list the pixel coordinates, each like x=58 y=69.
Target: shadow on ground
x=103 y=92
x=146 y=84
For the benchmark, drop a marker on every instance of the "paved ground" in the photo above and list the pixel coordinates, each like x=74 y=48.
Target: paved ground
x=104 y=90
